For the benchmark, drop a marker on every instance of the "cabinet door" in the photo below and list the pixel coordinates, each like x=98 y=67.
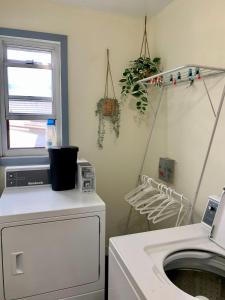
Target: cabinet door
x=39 y=258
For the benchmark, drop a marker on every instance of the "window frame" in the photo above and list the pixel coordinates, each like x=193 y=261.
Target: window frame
x=56 y=87
x=44 y=41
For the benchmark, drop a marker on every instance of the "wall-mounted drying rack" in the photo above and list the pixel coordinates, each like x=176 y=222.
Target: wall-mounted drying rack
x=182 y=74
x=187 y=73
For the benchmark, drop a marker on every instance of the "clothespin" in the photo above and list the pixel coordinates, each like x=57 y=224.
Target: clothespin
x=174 y=82
x=197 y=73
x=171 y=78
x=179 y=76
x=190 y=73
x=190 y=76
x=157 y=81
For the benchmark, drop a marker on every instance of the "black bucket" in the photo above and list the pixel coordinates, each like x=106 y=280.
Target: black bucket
x=63 y=167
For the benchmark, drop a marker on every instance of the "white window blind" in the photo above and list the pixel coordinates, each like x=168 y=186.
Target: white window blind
x=29 y=81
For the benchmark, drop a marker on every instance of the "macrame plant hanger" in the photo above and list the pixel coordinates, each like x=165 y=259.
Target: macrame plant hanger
x=145 y=52
x=108 y=108
x=144 y=45
x=110 y=103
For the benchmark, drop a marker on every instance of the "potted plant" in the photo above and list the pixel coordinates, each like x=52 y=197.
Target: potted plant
x=108 y=108
x=139 y=69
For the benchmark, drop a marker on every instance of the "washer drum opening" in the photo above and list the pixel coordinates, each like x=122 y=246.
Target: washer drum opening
x=198 y=273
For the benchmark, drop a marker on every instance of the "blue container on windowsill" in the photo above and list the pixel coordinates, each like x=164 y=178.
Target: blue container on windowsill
x=51 y=136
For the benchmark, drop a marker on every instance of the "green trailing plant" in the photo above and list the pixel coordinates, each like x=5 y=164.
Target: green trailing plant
x=106 y=114
x=139 y=69
x=108 y=109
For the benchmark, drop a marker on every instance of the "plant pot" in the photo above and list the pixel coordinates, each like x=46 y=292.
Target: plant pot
x=109 y=107
x=147 y=73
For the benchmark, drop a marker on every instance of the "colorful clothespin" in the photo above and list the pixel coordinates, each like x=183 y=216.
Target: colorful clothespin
x=190 y=76
x=197 y=73
x=158 y=80
x=174 y=81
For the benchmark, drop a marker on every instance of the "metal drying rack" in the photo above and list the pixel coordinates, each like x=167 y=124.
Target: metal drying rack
x=183 y=74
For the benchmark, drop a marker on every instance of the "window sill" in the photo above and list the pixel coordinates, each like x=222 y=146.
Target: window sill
x=24 y=160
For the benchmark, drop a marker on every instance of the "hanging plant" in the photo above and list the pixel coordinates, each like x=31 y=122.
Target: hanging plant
x=139 y=69
x=108 y=109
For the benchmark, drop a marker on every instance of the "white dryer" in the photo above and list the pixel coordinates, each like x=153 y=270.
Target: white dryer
x=52 y=243
x=173 y=264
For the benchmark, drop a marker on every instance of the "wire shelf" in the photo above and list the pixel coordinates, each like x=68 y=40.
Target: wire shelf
x=186 y=73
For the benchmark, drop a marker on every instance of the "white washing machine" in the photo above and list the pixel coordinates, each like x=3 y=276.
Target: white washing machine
x=52 y=243
x=173 y=264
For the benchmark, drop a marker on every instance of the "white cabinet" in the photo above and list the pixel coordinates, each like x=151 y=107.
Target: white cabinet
x=49 y=256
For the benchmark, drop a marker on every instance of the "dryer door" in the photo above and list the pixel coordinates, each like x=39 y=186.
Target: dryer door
x=39 y=258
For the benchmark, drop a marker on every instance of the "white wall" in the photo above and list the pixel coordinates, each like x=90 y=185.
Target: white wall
x=184 y=32
x=192 y=32
x=89 y=34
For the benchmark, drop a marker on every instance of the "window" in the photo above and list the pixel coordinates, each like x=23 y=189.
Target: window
x=32 y=91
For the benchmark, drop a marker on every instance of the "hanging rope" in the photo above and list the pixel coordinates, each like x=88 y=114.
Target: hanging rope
x=108 y=108
x=144 y=46
x=109 y=79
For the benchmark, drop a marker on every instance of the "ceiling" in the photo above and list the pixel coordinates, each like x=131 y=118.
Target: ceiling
x=128 y=7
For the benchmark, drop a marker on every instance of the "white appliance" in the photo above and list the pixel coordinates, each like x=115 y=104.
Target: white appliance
x=179 y=263
x=52 y=243
x=217 y=233
x=86 y=176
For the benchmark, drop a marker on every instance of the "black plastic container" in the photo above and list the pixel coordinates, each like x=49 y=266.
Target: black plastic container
x=63 y=167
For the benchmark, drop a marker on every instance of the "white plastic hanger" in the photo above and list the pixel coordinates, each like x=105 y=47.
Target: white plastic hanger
x=146 y=197
x=184 y=212
x=173 y=207
x=149 y=204
x=144 y=200
x=158 y=201
x=154 y=207
x=180 y=211
x=139 y=188
x=142 y=194
x=164 y=199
